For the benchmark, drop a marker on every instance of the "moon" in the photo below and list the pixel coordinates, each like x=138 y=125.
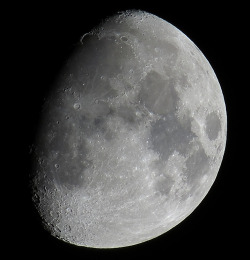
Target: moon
x=131 y=136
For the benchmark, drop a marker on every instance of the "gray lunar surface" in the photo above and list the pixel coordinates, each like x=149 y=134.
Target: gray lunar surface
x=131 y=137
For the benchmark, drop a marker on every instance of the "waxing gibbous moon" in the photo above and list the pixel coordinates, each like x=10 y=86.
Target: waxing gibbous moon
x=131 y=137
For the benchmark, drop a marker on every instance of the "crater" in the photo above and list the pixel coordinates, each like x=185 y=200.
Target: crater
x=213 y=125
x=124 y=38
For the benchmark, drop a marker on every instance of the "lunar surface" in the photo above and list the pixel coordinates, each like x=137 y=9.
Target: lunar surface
x=131 y=137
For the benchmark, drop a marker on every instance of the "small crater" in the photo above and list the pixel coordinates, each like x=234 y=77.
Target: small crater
x=124 y=38
x=68 y=210
x=67 y=228
x=36 y=199
x=77 y=106
x=40 y=161
x=213 y=125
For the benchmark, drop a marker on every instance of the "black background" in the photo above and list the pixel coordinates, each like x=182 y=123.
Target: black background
x=41 y=37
